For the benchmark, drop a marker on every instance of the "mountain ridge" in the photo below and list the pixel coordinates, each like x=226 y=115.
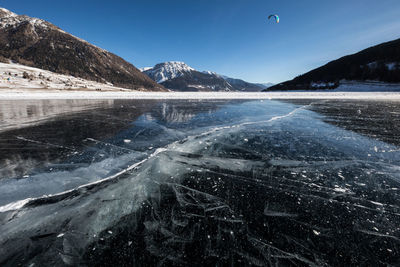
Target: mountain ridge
x=178 y=76
x=379 y=63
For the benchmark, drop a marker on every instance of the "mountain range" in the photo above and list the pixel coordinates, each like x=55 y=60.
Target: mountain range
x=178 y=76
x=379 y=63
x=37 y=43
x=33 y=42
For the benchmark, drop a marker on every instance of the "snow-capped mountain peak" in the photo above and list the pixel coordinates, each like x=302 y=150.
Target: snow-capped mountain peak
x=10 y=19
x=145 y=69
x=178 y=76
x=7 y=13
x=211 y=73
x=167 y=71
x=178 y=65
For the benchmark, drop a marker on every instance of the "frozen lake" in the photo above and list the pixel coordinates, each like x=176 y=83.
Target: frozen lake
x=195 y=183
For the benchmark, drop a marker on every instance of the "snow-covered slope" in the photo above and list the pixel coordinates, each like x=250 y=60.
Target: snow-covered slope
x=178 y=76
x=212 y=73
x=16 y=76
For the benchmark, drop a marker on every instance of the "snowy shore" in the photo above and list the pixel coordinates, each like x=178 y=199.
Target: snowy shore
x=16 y=76
x=25 y=83
x=15 y=94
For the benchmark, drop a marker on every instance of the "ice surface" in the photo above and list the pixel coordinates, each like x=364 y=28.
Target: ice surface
x=253 y=183
x=22 y=93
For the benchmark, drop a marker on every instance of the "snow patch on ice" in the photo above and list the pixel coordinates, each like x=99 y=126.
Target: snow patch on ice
x=15 y=205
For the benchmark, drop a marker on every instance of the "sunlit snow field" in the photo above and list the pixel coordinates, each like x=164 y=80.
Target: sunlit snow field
x=199 y=182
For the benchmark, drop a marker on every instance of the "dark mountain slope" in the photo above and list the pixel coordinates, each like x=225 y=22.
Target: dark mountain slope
x=37 y=43
x=378 y=63
x=198 y=81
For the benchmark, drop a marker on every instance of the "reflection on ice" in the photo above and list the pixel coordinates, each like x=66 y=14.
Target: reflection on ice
x=28 y=112
x=249 y=184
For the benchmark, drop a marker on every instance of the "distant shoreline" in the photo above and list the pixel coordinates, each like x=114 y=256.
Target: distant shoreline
x=23 y=94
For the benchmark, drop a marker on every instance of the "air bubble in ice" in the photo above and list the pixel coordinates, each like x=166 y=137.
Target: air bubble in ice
x=316 y=232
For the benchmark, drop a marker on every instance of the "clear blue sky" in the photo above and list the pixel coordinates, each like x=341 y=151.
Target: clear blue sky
x=231 y=37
